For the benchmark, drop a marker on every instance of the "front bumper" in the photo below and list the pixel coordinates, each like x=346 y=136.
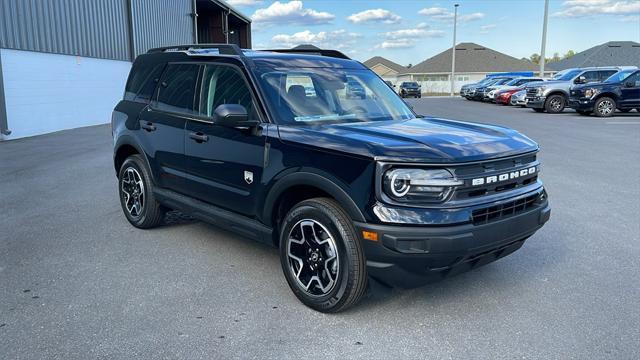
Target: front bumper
x=410 y=92
x=581 y=104
x=535 y=102
x=411 y=256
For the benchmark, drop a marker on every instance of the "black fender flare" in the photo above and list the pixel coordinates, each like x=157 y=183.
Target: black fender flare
x=315 y=180
x=126 y=140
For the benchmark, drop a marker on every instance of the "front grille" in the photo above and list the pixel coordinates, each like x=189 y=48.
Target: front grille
x=495 y=167
x=504 y=210
x=532 y=92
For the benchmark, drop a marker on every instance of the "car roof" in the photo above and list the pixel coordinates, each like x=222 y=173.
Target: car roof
x=257 y=58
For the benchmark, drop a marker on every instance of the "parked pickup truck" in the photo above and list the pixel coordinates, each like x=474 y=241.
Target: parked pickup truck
x=345 y=187
x=552 y=96
x=621 y=91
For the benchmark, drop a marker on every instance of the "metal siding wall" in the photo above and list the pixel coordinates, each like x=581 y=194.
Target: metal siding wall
x=92 y=28
x=160 y=23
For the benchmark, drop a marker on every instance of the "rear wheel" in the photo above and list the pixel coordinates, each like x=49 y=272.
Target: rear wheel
x=555 y=104
x=604 y=107
x=321 y=256
x=136 y=194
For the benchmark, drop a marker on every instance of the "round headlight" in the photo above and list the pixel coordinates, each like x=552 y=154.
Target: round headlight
x=400 y=184
x=419 y=185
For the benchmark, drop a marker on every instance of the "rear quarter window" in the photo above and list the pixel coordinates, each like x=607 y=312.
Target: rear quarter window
x=142 y=82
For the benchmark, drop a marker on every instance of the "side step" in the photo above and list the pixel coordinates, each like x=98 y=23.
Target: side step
x=212 y=214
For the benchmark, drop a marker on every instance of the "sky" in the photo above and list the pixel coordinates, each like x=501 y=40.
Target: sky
x=410 y=31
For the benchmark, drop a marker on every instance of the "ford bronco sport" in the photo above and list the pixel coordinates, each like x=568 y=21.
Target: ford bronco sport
x=345 y=187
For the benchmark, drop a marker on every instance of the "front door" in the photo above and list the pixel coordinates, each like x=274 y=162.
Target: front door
x=162 y=124
x=224 y=164
x=630 y=95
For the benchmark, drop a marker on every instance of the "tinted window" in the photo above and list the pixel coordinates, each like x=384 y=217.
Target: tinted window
x=177 y=87
x=590 y=76
x=603 y=75
x=142 y=81
x=224 y=85
x=635 y=79
x=619 y=76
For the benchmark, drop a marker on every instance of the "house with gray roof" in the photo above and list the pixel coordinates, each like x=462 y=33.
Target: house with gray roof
x=473 y=63
x=612 y=53
x=385 y=68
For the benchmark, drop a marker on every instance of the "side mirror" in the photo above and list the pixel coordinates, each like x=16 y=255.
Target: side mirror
x=629 y=84
x=232 y=115
x=581 y=80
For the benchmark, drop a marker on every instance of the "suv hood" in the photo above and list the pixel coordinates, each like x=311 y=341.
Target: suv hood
x=414 y=140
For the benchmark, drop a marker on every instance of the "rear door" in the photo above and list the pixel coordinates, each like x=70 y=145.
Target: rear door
x=225 y=164
x=162 y=124
x=630 y=95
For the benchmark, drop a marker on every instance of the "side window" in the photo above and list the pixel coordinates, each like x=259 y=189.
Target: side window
x=605 y=74
x=223 y=84
x=591 y=76
x=142 y=82
x=177 y=88
x=635 y=78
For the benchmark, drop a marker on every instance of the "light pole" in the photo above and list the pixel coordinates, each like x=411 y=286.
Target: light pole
x=453 y=48
x=544 y=36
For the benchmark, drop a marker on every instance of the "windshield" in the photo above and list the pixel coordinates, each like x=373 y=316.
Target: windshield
x=620 y=76
x=566 y=75
x=410 y=84
x=331 y=99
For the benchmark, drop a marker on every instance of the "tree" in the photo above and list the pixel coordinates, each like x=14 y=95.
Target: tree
x=568 y=54
x=535 y=58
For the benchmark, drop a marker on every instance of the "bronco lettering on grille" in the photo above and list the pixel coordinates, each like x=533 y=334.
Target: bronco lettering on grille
x=503 y=177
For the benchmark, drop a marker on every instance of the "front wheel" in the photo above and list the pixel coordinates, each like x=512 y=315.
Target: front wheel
x=321 y=256
x=555 y=104
x=136 y=194
x=604 y=107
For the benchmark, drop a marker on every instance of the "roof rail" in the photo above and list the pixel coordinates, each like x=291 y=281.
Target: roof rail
x=223 y=49
x=321 y=52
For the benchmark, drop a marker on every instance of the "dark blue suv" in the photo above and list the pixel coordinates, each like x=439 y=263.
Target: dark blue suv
x=620 y=91
x=270 y=145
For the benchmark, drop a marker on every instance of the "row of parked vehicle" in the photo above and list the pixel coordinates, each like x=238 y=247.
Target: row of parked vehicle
x=598 y=90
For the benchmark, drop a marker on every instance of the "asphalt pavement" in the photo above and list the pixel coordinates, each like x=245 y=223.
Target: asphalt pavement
x=78 y=282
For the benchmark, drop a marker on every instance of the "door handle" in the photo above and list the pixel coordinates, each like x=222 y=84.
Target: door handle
x=148 y=126
x=199 y=137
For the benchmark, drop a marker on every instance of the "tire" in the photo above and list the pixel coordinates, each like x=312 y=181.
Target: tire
x=148 y=213
x=324 y=218
x=604 y=107
x=538 y=110
x=555 y=104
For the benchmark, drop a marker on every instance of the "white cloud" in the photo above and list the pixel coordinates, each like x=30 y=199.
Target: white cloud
x=339 y=39
x=484 y=29
x=440 y=13
x=290 y=13
x=374 y=15
x=244 y=2
x=584 y=8
x=471 y=17
x=406 y=38
x=422 y=25
x=436 y=12
x=412 y=34
x=395 y=44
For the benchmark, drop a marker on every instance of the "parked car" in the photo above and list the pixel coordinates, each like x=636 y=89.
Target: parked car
x=480 y=92
x=410 y=88
x=345 y=189
x=391 y=85
x=504 y=96
x=513 y=84
x=620 y=91
x=465 y=89
x=519 y=98
x=552 y=96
